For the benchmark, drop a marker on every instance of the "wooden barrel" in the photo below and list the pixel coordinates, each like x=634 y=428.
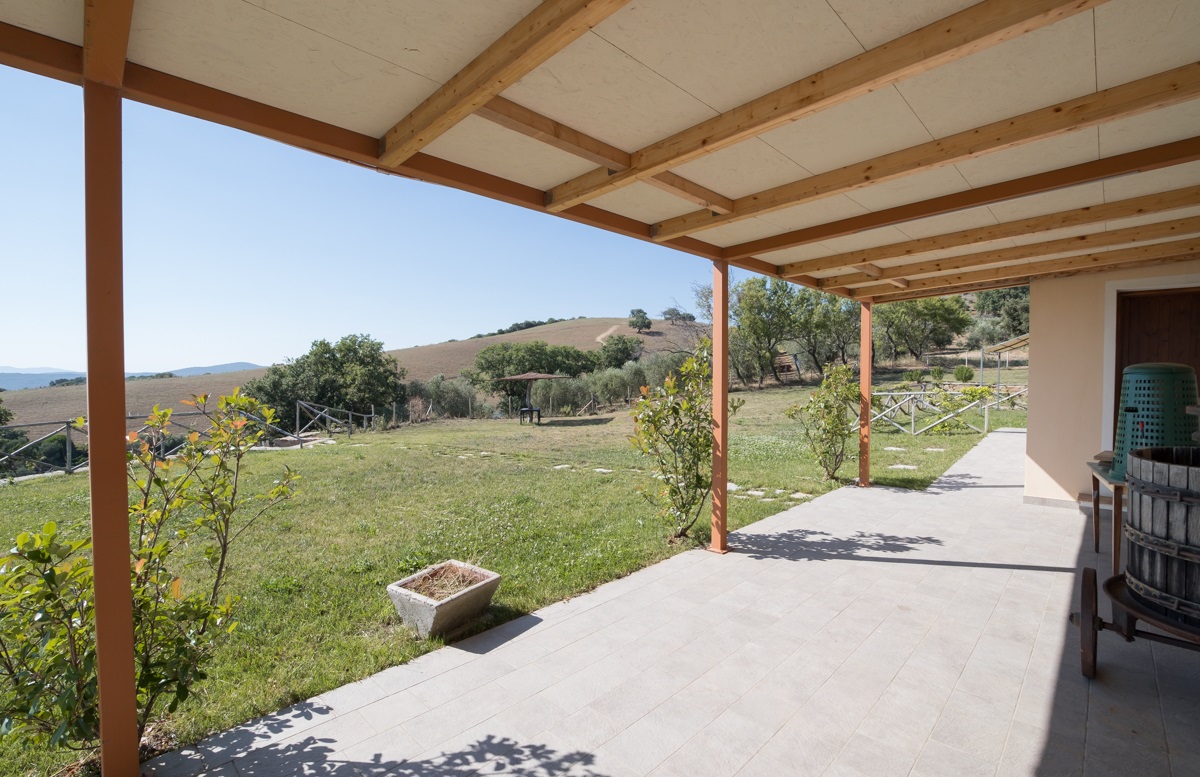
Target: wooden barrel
x=1162 y=559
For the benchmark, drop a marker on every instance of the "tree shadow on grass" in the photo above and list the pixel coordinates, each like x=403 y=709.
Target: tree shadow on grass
x=598 y=421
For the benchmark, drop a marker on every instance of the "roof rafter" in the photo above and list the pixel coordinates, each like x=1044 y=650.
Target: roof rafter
x=1145 y=94
x=534 y=125
x=1031 y=269
x=106 y=40
x=973 y=29
x=1143 y=160
x=544 y=32
x=1092 y=214
x=1140 y=233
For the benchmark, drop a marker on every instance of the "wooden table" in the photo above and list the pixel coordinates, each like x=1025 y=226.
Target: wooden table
x=1103 y=471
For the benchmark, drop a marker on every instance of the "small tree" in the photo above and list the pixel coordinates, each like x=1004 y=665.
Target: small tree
x=639 y=321
x=964 y=374
x=675 y=316
x=825 y=421
x=618 y=349
x=673 y=427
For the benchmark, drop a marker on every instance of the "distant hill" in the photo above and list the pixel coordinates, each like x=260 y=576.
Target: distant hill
x=32 y=405
x=14 y=378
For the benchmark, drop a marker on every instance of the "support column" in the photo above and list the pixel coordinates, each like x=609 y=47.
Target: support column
x=106 y=429
x=720 y=406
x=864 y=396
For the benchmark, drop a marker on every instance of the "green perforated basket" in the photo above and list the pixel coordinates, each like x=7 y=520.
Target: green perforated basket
x=1153 y=409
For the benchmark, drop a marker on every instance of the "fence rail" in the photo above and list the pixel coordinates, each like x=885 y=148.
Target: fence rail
x=909 y=403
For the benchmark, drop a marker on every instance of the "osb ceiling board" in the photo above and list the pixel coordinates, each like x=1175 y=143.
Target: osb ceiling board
x=875 y=22
x=1064 y=150
x=1138 y=38
x=924 y=185
x=61 y=19
x=432 y=40
x=738 y=232
x=485 y=146
x=598 y=89
x=813 y=213
x=948 y=222
x=643 y=202
x=1030 y=71
x=744 y=168
x=1150 y=129
x=851 y=132
x=244 y=50
x=1081 y=196
x=1176 y=177
x=728 y=53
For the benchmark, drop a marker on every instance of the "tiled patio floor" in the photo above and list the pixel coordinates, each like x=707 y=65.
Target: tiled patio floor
x=869 y=632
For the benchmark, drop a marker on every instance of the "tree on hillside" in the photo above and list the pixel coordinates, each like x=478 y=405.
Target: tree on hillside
x=674 y=316
x=5 y=414
x=639 y=321
x=352 y=374
x=503 y=359
x=618 y=349
x=916 y=326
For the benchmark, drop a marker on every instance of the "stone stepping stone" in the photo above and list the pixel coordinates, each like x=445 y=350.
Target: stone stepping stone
x=740 y=496
x=779 y=491
x=756 y=492
x=935 y=450
x=767 y=499
x=902 y=466
x=892 y=448
x=561 y=466
x=603 y=471
x=799 y=495
x=732 y=487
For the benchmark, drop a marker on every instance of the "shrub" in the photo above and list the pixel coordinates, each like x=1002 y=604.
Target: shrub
x=673 y=427
x=912 y=376
x=657 y=366
x=567 y=393
x=609 y=385
x=964 y=374
x=824 y=418
x=47 y=621
x=936 y=374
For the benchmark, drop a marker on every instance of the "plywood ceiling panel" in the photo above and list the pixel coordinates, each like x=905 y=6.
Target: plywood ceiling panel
x=744 y=168
x=726 y=54
x=1150 y=129
x=871 y=239
x=1049 y=202
x=813 y=213
x=798 y=254
x=1032 y=71
x=948 y=222
x=1070 y=149
x=1151 y=218
x=1138 y=38
x=242 y=49
x=851 y=132
x=432 y=40
x=1175 y=177
x=61 y=19
x=912 y=188
x=598 y=89
x=644 y=202
x=740 y=232
x=485 y=146
x=875 y=22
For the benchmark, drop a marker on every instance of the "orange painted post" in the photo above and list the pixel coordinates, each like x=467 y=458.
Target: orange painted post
x=106 y=429
x=720 y=406
x=864 y=397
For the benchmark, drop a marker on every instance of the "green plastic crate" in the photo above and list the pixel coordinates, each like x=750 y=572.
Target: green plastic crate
x=1153 y=409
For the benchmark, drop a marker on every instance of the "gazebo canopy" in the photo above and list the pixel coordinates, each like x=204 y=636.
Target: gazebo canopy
x=875 y=149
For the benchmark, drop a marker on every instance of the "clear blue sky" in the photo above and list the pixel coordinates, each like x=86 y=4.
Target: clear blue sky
x=242 y=249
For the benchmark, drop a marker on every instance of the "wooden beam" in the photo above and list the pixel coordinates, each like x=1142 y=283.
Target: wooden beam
x=1143 y=160
x=872 y=270
x=899 y=283
x=1093 y=214
x=41 y=55
x=533 y=125
x=965 y=288
x=1031 y=269
x=547 y=29
x=1146 y=94
x=974 y=29
x=720 y=407
x=865 y=362
x=108 y=479
x=1140 y=233
x=106 y=40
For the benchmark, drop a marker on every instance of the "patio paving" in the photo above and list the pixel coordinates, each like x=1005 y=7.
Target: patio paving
x=868 y=632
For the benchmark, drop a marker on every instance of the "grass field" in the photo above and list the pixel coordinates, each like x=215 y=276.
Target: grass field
x=371 y=509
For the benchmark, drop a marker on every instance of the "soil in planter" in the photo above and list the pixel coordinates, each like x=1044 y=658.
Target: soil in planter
x=445 y=581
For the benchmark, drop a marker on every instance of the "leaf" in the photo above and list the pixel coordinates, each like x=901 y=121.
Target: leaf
x=131 y=437
x=139 y=566
x=177 y=588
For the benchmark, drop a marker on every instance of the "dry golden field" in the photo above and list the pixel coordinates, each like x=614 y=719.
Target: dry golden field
x=421 y=362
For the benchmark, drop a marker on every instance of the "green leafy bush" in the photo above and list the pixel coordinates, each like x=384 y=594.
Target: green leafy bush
x=936 y=374
x=47 y=621
x=912 y=376
x=825 y=418
x=964 y=374
x=673 y=427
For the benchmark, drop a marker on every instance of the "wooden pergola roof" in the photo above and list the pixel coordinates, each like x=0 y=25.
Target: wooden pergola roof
x=876 y=150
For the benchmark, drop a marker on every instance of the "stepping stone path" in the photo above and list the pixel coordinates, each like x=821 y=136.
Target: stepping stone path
x=779 y=491
x=890 y=448
x=561 y=466
x=902 y=466
x=936 y=450
x=767 y=499
x=740 y=496
x=603 y=471
x=799 y=495
x=756 y=492
x=732 y=487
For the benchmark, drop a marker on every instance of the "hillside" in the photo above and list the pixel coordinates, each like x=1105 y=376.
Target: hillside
x=421 y=362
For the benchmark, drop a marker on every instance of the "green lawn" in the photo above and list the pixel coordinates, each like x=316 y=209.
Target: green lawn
x=371 y=509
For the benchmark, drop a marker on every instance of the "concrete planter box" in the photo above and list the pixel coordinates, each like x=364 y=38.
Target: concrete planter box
x=431 y=618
